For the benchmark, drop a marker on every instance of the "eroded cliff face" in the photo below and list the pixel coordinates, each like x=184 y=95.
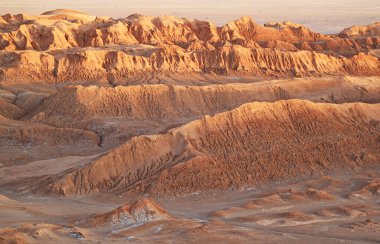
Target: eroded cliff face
x=254 y=144
x=58 y=47
x=57 y=30
x=113 y=64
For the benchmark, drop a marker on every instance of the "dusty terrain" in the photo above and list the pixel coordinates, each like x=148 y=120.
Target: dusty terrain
x=331 y=209
x=150 y=129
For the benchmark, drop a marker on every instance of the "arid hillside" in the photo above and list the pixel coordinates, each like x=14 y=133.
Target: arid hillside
x=170 y=102
x=117 y=114
x=257 y=143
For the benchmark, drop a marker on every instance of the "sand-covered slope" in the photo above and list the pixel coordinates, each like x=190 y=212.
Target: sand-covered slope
x=255 y=143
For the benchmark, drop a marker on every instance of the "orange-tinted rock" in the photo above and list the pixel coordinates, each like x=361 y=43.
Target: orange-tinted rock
x=254 y=144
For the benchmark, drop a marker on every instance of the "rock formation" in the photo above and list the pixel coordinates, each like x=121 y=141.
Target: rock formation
x=140 y=212
x=108 y=111
x=257 y=143
x=64 y=46
x=241 y=131
x=371 y=30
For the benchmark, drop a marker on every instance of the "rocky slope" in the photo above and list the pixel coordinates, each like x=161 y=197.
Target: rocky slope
x=278 y=124
x=119 y=113
x=365 y=35
x=22 y=142
x=257 y=143
x=46 y=122
x=63 y=29
x=140 y=212
x=113 y=64
x=170 y=102
x=371 y=30
x=22 y=133
x=65 y=46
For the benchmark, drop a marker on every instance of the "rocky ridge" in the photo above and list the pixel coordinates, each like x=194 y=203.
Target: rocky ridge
x=70 y=46
x=234 y=149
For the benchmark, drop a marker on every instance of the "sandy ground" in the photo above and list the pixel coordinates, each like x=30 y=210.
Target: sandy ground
x=334 y=209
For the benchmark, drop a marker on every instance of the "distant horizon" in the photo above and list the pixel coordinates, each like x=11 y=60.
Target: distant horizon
x=323 y=16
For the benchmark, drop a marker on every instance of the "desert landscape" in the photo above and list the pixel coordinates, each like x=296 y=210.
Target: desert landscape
x=162 y=129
